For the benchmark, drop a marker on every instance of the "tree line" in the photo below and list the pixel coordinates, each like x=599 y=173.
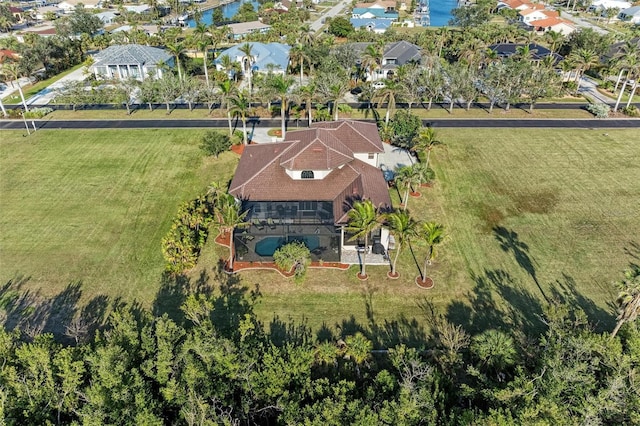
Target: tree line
x=214 y=362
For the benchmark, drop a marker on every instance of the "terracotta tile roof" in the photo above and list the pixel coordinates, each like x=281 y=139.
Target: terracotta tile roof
x=316 y=149
x=360 y=137
x=549 y=22
x=262 y=172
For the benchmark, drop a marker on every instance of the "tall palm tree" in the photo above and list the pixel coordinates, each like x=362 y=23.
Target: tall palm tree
x=227 y=91
x=426 y=141
x=404 y=228
x=240 y=105
x=229 y=217
x=363 y=220
x=13 y=72
x=405 y=178
x=298 y=55
x=337 y=90
x=554 y=39
x=281 y=86
x=202 y=41
x=176 y=49
x=628 y=300
x=306 y=94
x=433 y=234
x=372 y=59
x=247 y=62
x=583 y=59
x=388 y=94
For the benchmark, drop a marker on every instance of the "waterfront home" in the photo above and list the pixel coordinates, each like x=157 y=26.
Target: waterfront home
x=121 y=62
x=265 y=57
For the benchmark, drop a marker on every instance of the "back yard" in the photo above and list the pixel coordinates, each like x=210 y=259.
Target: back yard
x=531 y=215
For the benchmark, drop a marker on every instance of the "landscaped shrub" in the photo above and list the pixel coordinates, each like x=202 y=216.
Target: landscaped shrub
x=188 y=233
x=296 y=256
x=215 y=143
x=599 y=110
x=631 y=111
x=405 y=127
x=38 y=112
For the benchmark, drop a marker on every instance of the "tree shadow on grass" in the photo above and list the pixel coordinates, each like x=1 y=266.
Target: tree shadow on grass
x=32 y=313
x=281 y=332
x=497 y=301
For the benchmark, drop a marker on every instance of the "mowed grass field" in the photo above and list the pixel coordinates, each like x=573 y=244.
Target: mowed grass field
x=93 y=206
x=530 y=215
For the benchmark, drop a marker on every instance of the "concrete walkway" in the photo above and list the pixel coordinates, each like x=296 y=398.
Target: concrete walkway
x=46 y=95
x=589 y=89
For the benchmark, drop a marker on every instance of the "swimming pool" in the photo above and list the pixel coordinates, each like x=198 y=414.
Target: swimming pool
x=267 y=246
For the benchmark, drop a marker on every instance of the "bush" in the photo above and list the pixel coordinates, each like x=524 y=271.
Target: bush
x=631 y=111
x=405 y=127
x=296 y=256
x=599 y=110
x=38 y=112
x=215 y=143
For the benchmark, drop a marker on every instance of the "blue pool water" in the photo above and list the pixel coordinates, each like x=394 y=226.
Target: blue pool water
x=228 y=11
x=267 y=246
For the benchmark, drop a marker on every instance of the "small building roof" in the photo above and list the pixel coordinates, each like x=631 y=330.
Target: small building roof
x=130 y=54
x=538 y=52
x=632 y=11
x=245 y=27
x=371 y=23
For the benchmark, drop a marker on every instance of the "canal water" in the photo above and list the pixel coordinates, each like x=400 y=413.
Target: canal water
x=228 y=12
x=440 y=12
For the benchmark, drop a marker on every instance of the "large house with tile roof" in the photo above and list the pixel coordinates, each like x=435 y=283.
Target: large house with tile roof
x=121 y=62
x=301 y=189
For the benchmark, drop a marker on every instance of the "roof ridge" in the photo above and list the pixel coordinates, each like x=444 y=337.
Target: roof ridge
x=267 y=164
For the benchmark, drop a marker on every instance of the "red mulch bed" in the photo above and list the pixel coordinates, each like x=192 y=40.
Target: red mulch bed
x=427 y=283
x=224 y=239
x=362 y=277
x=393 y=276
x=415 y=194
x=238 y=149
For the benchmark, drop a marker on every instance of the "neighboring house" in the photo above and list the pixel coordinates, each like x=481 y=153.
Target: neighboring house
x=557 y=25
x=602 y=5
x=140 y=8
x=107 y=17
x=530 y=15
x=302 y=188
x=242 y=29
x=41 y=13
x=388 y=5
x=17 y=13
x=378 y=26
x=265 y=57
x=131 y=61
x=515 y=4
x=8 y=55
x=69 y=5
x=631 y=15
x=373 y=13
x=538 y=53
x=285 y=5
x=394 y=55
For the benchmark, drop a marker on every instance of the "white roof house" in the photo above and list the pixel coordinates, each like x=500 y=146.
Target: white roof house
x=121 y=62
x=69 y=5
x=264 y=57
x=600 y=5
x=631 y=14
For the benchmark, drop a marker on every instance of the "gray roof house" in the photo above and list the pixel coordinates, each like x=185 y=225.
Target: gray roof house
x=131 y=61
x=394 y=55
x=631 y=14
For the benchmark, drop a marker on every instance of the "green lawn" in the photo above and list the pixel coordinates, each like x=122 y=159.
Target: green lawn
x=93 y=206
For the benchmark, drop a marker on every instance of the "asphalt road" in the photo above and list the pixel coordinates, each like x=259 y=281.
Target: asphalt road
x=443 y=123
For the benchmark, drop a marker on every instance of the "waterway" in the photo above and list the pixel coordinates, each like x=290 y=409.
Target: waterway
x=228 y=12
x=440 y=12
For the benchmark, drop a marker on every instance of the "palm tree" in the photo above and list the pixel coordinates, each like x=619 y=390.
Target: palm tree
x=298 y=55
x=406 y=177
x=229 y=218
x=583 y=59
x=336 y=91
x=247 y=62
x=202 y=42
x=227 y=92
x=12 y=71
x=306 y=94
x=240 y=105
x=363 y=220
x=404 y=228
x=628 y=300
x=433 y=234
x=281 y=86
x=388 y=94
x=371 y=60
x=426 y=141
x=176 y=50
x=358 y=348
x=554 y=38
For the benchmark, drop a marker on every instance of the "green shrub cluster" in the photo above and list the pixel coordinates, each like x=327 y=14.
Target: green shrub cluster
x=599 y=110
x=293 y=256
x=631 y=111
x=188 y=233
x=38 y=112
